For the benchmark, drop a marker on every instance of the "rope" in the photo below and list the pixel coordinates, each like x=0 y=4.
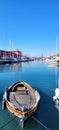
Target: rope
x=7 y=123
x=18 y=125
x=40 y=123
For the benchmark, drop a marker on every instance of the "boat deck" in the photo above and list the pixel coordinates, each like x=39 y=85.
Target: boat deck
x=21 y=99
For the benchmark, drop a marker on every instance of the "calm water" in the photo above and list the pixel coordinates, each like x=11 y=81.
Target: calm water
x=40 y=77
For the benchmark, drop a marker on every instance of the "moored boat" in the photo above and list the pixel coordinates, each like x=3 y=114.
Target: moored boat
x=56 y=97
x=21 y=100
x=1 y=61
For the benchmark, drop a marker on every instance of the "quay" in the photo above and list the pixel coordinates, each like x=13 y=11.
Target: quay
x=15 y=56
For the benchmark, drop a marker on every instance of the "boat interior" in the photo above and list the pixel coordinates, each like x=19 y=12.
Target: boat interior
x=21 y=97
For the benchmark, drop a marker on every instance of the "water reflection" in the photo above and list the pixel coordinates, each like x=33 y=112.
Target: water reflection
x=10 y=67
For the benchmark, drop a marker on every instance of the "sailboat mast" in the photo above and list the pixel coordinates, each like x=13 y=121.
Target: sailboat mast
x=58 y=82
x=56 y=46
x=56 y=66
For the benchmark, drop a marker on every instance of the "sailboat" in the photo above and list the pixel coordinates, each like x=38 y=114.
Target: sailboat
x=55 y=60
x=56 y=96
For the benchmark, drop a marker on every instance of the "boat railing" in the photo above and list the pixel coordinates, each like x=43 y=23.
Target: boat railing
x=29 y=87
x=10 y=104
x=5 y=95
x=37 y=96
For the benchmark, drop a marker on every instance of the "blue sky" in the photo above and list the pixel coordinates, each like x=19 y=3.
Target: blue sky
x=29 y=25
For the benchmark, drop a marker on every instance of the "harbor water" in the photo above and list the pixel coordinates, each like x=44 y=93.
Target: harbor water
x=41 y=77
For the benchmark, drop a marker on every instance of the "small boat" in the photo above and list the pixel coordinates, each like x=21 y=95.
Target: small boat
x=21 y=100
x=1 y=61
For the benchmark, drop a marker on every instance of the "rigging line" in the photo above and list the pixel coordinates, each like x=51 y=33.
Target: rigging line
x=40 y=123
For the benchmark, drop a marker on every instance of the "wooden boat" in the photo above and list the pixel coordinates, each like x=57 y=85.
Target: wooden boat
x=21 y=100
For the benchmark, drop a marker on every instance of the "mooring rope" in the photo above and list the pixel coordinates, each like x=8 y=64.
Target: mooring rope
x=17 y=127
x=4 y=125
x=40 y=123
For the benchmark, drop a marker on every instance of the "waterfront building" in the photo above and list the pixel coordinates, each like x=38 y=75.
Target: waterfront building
x=13 y=53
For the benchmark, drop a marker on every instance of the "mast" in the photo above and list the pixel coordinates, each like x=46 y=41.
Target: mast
x=56 y=45
x=58 y=82
x=11 y=48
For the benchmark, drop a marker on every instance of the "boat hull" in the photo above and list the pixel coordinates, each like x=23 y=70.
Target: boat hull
x=21 y=94
x=21 y=117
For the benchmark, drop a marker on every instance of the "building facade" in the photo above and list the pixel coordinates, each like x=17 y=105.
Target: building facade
x=13 y=53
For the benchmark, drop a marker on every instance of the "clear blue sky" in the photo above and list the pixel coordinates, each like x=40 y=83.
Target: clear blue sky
x=29 y=25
